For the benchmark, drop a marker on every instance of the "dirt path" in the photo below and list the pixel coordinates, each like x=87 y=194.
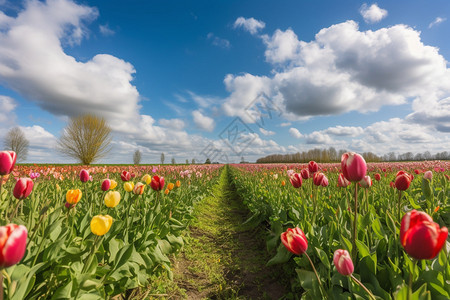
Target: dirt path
x=222 y=259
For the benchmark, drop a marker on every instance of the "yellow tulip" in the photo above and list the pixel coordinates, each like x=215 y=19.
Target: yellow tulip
x=113 y=184
x=100 y=224
x=147 y=178
x=178 y=183
x=139 y=188
x=170 y=186
x=128 y=186
x=73 y=196
x=112 y=198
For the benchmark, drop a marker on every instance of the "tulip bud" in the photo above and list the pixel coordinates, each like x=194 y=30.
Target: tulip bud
x=113 y=184
x=294 y=240
x=13 y=242
x=304 y=173
x=290 y=173
x=342 y=181
x=403 y=180
x=139 y=188
x=73 y=196
x=100 y=224
x=318 y=178
x=283 y=183
x=7 y=162
x=128 y=186
x=178 y=183
x=106 y=184
x=343 y=262
x=296 y=180
x=428 y=175
x=84 y=175
x=147 y=178
x=353 y=166
x=313 y=167
x=125 y=176
x=23 y=188
x=112 y=198
x=166 y=192
x=366 y=182
x=377 y=177
x=157 y=183
x=170 y=186
x=324 y=181
x=420 y=236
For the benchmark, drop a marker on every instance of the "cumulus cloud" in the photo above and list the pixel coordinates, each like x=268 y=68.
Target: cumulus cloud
x=7 y=106
x=251 y=25
x=437 y=21
x=318 y=137
x=295 y=133
x=285 y=124
x=266 y=132
x=432 y=112
x=203 y=122
x=218 y=42
x=344 y=130
x=373 y=13
x=342 y=70
x=176 y=124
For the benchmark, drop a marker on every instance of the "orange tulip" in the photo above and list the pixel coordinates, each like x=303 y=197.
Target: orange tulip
x=73 y=196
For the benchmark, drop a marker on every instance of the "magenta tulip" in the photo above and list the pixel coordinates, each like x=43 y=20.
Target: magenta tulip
x=23 y=188
x=313 y=167
x=296 y=180
x=13 y=241
x=84 y=175
x=106 y=184
x=342 y=181
x=304 y=173
x=7 y=162
x=343 y=262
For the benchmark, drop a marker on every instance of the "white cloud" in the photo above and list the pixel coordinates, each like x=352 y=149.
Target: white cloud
x=437 y=21
x=105 y=30
x=318 y=137
x=266 y=132
x=218 y=42
x=7 y=106
x=431 y=112
x=176 y=124
x=285 y=124
x=251 y=25
x=373 y=13
x=345 y=131
x=203 y=122
x=342 y=70
x=295 y=133
x=202 y=101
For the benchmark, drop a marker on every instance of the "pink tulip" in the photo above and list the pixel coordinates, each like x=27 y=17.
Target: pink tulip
x=125 y=176
x=428 y=175
x=353 y=166
x=13 y=241
x=318 y=179
x=296 y=180
x=106 y=184
x=304 y=173
x=23 y=188
x=342 y=181
x=366 y=182
x=403 y=180
x=7 y=162
x=313 y=167
x=343 y=262
x=84 y=175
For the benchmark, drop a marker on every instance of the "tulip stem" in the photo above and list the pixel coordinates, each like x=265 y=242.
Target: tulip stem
x=399 y=205
x=363 y=286
x=15 y=210
x=322 y=289
x=355 y=232
x=1 y=281
x=411 y=274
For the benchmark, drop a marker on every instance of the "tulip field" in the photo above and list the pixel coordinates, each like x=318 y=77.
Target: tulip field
x=341 y=231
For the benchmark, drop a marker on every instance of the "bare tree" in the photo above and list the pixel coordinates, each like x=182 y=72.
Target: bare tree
x=86 y=138
x=137 y=156
x=173 y=161
x=162 y=158
x=16 y=141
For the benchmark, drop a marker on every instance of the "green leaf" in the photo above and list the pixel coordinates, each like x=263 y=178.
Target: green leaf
x=323 y=257
x=282 y=256
x=362 y=249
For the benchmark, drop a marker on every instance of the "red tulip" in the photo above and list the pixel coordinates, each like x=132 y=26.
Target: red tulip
x=23 y=188
x=157 y=183
x=342 y=181
x=403 y=180
x=304 y=173
x=420 y=236
x=353 y=166
x=294 y=240
x=106 y=184
x=313 y=167
x=125 y=176
x=366 y=182
x=7 y=162
x=377 y=177
x=343 y=262
x=84 y=175
x=296 y=180
x=319 y=179
x=13 y=241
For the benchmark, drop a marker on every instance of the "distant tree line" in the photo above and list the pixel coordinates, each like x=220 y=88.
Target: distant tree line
x=333 y=155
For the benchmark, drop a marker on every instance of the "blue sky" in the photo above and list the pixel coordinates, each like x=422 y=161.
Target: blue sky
x=225 y=79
